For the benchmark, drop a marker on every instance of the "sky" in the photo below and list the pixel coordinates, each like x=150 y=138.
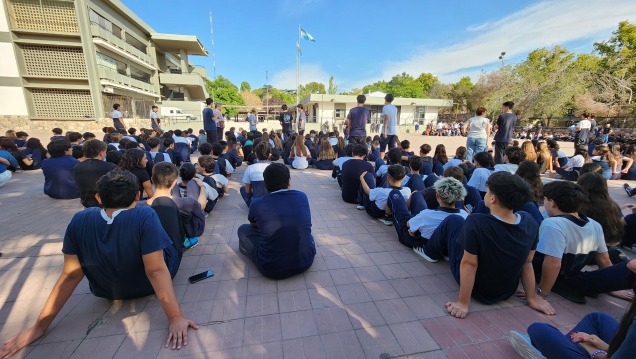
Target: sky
x=361 y=42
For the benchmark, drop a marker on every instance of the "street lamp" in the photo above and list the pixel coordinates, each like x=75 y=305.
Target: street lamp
x=502 y=58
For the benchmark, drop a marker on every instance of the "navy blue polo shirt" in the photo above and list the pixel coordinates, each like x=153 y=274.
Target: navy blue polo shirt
x=284 y=219
x=111 y=254
x=58 y=177
x=351 y=171
x=208 y=122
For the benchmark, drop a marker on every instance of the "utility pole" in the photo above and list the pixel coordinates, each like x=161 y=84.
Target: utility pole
x=213 y=56
x=267 y=96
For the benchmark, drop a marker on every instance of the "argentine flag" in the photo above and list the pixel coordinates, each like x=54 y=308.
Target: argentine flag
x=306 y=36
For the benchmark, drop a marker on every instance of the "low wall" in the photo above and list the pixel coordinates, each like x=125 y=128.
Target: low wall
x=23 y=123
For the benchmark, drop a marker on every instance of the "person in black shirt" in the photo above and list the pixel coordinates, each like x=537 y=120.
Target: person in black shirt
x=286 y=119
x=493 y=251
x=505 y=127
x=88 y=172
x=351 y=171
x=134 y=160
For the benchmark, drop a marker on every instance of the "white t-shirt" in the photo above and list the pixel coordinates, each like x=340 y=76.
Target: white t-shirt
x=440 y=125
x=586 y=124
x=380 y=195
x=508 y=167
x=255 y=172
x=575 y=161
x=333 y=141
x=300 y=162
x=391 y=124
x=478 y=126
x=479 y=178
x=179 y=139
x=428 y=220
x=340 y=160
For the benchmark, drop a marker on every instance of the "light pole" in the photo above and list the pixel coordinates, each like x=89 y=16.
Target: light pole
x=267 y=96
x=502 y=58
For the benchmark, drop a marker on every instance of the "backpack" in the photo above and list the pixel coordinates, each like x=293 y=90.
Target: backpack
x=161 y=158
x=212 y=183
x=220 y=167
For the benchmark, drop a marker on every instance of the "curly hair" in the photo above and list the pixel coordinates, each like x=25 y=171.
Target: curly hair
x=131 y=160
x=450 y=190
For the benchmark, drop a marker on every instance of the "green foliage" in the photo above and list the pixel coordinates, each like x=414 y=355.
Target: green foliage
x=427 y=80
x=618 y=54
x=377 y=86
x=333 y=87
x=353 y=92
x=226 y=93
x=312 y=87
x=461 y=93
x=245 y=86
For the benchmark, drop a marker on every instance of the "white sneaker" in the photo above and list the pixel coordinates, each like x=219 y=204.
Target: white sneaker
x=446 y=258
x=360 y=208
x=420 y=252
x=523 y=346
x=332 y=179
x=386 y=221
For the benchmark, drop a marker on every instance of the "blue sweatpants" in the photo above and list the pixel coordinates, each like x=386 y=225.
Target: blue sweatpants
x=401 y=215
x=554 y=345
x=444 y=242
x=369 y=205
x=247 y=197
x=439 y=169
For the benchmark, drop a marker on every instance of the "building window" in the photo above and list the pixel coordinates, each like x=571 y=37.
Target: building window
x=99 y=20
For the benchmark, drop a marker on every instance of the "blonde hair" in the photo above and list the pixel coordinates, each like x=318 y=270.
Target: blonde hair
x=528 y=148
x=277 y=144
x=604 y=151
x=299 y=147
x=325 y=151
x=10 y=134
x=341 y=143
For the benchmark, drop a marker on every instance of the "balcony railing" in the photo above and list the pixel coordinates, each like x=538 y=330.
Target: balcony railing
x=114 y=76
x=98 y=31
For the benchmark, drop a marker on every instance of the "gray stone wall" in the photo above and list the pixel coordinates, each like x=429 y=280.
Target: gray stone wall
x=23 y=123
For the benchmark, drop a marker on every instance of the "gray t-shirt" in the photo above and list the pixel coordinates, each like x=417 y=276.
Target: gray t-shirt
x=302 y=117
x=478 y=126
x=391 y=124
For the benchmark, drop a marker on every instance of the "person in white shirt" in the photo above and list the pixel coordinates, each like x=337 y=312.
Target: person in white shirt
x=333 y=140
x=299 y=154
x=582 y=130
x=570 y=170
x=483 y=170
x=440 y=128
x=514 y=156
x=253 y=178
x=337 y=164
x=478 y=129
x=374 y=199
x=389 y=130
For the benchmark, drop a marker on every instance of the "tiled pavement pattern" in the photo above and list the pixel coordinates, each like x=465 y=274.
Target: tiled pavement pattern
x=366 y=296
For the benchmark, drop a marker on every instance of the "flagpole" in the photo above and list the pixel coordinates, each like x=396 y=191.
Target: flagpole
x=298 y=69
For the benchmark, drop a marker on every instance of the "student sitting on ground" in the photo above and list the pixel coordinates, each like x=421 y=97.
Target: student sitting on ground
x=336 y=174
x=88 y=173
x=223 y=166
x=483 y=169
x=414 y=181
x=351 y=171
x=492 y=251
x=6 y=160
x=135 y=160
x=10 y=146
x=205 y=168
x=374 y=199
x=227 y=154
x=278 y=238
x=394 y=158
x=598 y=335
x=325 y=156
x=124 y=253
x=471 y=198
x=414 y=229
x=194 y=188
x=37 y=151
x=57 y=134
x=253 y=177
x=406 y=154
x=182 y=218
x=568 y=240
x=569 y=172
x=514 y=156
x=58 y=171
x=427 y=160
x=439 y=159
x=299 y=155
x=175 y=156
x=460 y=157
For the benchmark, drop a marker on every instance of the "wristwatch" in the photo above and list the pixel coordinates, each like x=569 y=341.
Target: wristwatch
x=540 y=292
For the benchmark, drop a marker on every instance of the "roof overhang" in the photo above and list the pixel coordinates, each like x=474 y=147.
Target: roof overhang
x=174 y=43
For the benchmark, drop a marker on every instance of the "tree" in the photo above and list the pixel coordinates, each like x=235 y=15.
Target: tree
x=333 y=87
x=353 y=92
x=427 y=80
x=312 y=87
x=377 y=86
x=226 y=93
x=245 y=86
x=461 y=93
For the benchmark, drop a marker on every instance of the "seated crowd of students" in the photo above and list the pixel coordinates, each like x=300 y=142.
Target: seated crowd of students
x=482 y=218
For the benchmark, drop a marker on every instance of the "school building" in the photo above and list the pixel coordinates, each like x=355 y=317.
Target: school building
x=64 y=63
x=334 y=109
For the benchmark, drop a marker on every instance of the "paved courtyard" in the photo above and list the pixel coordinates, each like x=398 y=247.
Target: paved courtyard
x=366 y=295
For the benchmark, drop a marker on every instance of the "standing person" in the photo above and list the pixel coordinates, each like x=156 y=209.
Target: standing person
x=417 y=127
x=504 y=127
x=302 y=119
x=582 y=131
x=219 y=120
x=117 y=117
x=253 y=120
x=356 y=122
x=478 y=129
x=538 y=130
x=607 y=130
x=389 y=130
x=208 y=122
x=285 y=119
x=592 y=134
x=155 y=122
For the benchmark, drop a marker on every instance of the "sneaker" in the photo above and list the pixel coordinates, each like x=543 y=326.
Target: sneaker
x=446 y=258
x=190 y=243
x=628 y=189
x=386 y=221
x=207 y=214
x=332 y=179
x=523 y=346
x=242 y=250
x=360 y=207
x=420 y=252
x=18 y=170
x=631 y=248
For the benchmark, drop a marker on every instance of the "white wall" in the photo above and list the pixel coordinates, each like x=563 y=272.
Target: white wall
x=4 y=26
x=8 y=63
x=12 y=101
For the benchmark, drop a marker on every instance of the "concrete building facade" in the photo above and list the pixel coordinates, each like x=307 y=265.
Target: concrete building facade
x=64 y=63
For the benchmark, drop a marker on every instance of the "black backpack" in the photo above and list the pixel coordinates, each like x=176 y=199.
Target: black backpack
x=221 y=167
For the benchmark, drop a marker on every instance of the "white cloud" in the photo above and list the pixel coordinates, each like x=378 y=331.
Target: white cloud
x=544 y=24
x=286 y=79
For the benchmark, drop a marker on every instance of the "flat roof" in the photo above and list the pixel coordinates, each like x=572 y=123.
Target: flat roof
x=131 y=16
x=173 y=43
x=398 y=101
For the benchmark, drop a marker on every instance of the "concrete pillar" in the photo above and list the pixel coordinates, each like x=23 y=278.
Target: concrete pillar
x=83 y=24
x=184 y=61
